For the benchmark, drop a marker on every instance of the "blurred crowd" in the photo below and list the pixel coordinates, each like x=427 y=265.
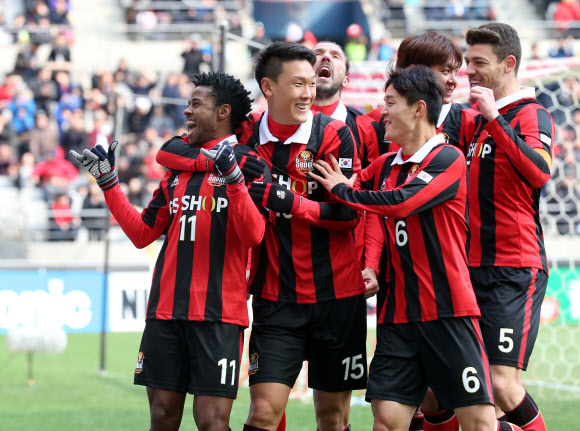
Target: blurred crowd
x=562 y=194
x=161 y=22
x=46 y=111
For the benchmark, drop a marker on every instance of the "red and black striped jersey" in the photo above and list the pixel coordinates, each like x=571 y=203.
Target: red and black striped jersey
x=505 y=178
x=208 y=226
x=367 y=135
x=423 y=205
x=457 y=123
x=310 y=256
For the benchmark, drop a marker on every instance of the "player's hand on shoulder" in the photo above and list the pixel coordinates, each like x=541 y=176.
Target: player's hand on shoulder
x=330 y=173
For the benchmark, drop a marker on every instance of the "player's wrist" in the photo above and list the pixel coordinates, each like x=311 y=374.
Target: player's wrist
x=296 y=204
x=108 y=180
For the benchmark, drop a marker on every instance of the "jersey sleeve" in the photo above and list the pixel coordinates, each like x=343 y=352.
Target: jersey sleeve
x=145 y=227
x=535 y=130
x=369 y=132
x=248 y=222
x=374 y=240
x=468 y=129
x=179 y=155
x=373 y=236
x=431 y=185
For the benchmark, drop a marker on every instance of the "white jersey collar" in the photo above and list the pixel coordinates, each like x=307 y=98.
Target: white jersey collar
x=420 y=155
x=340 y=112
x=232 y=139
x=524 y=93
x=443 y=114
x=301 y=136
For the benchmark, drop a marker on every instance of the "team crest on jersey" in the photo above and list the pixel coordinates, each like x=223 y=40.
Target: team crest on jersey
x=139 y=366
x=446 y=136
x=414 y=169
x=253 y=363
x=175 y=181
x=215 y=180
x=281 y=194
x=304 y=160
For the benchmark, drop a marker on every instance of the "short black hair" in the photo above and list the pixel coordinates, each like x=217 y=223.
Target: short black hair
x=270 y=60
x=419 y=83
x=227 y=90
x=503 y=38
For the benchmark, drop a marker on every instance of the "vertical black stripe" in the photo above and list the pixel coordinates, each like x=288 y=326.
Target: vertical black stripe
x=282 y=227
x=280 y=160
x=351 y=123
x=391 y=297
x=155 y=292
x=153 y=301
x=413 y=308
x=287 y=273
x=411 y=282
x=321 y=261
x=259 y=279
x=486 y=181
x=441 y=287
x=217 y=252
x=539 y=232
x=452 y=125
x=184 y=267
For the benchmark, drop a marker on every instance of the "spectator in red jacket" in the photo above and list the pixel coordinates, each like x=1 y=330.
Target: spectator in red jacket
x=565 y=12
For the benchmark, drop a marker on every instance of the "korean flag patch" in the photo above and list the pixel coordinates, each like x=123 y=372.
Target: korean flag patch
x=345 y=163
x=424 y=176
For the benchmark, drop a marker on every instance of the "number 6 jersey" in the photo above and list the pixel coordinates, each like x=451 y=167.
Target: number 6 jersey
x=423 y=204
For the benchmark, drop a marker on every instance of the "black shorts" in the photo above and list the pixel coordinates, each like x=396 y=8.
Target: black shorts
x=510 y=300
x=446 y=355
x=330 y=335
x=202 y=358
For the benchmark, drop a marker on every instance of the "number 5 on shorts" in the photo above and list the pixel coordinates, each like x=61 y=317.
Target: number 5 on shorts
x=504 y=339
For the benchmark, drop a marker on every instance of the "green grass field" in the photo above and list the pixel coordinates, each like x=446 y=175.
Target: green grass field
x=70 y=394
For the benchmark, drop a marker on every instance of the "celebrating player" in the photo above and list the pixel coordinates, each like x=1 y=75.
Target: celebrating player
x=197 y=311
x=305 y=276
x=444 y=57
x=509 y=161
x=457 y=123
x=428 y=332
x=332 y=68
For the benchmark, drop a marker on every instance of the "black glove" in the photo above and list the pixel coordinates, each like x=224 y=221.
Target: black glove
x=224 y=161
x=100 y=163
x=274 y=197
x=251 y=166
